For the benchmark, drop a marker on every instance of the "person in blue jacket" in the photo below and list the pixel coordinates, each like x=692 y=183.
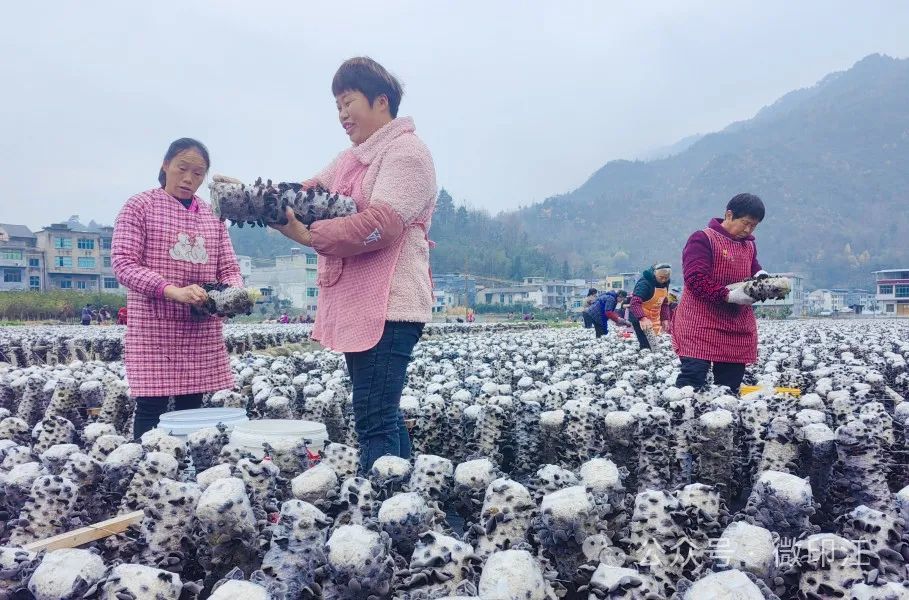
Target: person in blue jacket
x=603 y=309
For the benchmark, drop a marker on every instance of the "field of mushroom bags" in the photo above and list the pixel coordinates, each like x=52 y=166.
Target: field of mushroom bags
x=546 y=464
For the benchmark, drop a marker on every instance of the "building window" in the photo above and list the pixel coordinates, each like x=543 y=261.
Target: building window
x=885 y=290
x=63 y=243
x=902 y=291
x=12 y=276
x=616 y=285
x=34 y=262
x=64 y=261
x=312 y=292
x=66 y=284
x=34 y=283
x=105 y=243
x=7 y=254
x=110 y=283
x=891 y=308
x=311 y=259
x=81 y=285
x=86 y=262
x=86 y=244
x=106 y=261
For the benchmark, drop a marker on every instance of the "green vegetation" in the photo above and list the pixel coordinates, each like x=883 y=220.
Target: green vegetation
x=59 y=305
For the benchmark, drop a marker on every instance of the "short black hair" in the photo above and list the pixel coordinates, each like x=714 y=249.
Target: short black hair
x=622 y=294
x=363 y=74
x=591 y=291
x=178 y=146
x=746 y=205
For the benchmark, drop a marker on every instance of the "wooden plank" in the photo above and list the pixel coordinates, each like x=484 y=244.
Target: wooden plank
x=85 y=535
x=94 y=412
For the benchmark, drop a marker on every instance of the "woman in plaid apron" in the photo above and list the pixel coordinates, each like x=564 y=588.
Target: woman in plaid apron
x=167 y=242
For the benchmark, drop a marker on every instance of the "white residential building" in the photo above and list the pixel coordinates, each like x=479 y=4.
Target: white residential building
x=820 y=302
x=443 y=300
x=291 y=277
x=565 y=295
x=245 y=263
x=523 y=295
x=892 y=292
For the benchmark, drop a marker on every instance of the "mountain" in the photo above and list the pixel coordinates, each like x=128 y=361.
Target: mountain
x=831 y=163
x=671 y=150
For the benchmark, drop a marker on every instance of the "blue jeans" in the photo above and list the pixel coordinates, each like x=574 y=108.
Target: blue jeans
x=377 y=376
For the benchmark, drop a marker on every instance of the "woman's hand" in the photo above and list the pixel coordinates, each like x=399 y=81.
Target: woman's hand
x=191 y=294
x=294 y=229
x=646 y=324
x=665 y=327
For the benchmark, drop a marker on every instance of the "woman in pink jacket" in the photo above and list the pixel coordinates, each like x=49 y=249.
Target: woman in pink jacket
x=166 y=243
x=373 y=272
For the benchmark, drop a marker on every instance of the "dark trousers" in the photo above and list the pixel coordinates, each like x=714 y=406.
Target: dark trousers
x=694 y=373
x=588 y=320
x=599 y=330
x=639 y=332
x=150 y=408
x=377 y=376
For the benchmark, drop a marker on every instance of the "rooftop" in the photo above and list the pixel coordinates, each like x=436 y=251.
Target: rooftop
x=73 y=224
x=17 y=231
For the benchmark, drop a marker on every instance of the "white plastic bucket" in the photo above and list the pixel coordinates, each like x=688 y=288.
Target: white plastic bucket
x=184 y=422
x=281 y=434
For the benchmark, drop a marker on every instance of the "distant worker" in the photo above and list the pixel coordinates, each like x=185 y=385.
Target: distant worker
x=715 y=325
x=649 y=307
x=284 y=319
x=590 y=299
x=673 y=301
x=121 y=316
x=604 y=309
x=87 y=314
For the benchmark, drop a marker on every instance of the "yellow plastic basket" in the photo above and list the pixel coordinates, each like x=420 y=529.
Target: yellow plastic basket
x=747 y=389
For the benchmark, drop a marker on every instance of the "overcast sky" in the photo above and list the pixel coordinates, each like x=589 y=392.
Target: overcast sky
x=518 y=101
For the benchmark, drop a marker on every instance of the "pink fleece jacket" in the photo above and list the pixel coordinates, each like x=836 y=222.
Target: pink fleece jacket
x=374 y=265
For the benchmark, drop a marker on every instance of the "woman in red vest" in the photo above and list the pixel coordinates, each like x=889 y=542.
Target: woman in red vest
x=714 y=324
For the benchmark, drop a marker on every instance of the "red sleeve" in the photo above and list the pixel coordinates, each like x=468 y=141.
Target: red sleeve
x=373 y=229
x=228 y=268
x=405 y=187
x=637 y=307
x=755 y=265
x=697 y=267
x=613 y=316
x=128 y=252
